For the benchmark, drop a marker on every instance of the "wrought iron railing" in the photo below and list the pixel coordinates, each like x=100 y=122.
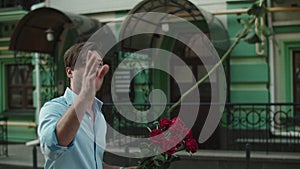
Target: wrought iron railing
x=25 y=4
x=267 y=127
x=3 y=137
x=9 y=3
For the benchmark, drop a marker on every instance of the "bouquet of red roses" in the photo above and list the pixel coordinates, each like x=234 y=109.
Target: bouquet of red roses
x=169 y=137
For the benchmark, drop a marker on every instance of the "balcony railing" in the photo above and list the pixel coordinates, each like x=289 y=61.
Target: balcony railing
x=9 y=3
x=267 y=127
x=25 y=4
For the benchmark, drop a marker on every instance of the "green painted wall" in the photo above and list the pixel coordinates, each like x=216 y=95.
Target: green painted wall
x=286 y=46
x=8 y=20
x=21 y=134
x=249 y=72
x=15 y=133
x=286 y=68
x=286 y=29
x=11 y=14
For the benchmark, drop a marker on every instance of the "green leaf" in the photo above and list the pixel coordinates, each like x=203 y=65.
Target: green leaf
x=145 y=161
x=266 y=31
x=252 y=38
x=257 y=10
x=239 y=34
x=155 y=122
x=156 y=163
x=167 y=157
x=174 y=158
x=245 y=22
x=159 y=157
x=248 y=25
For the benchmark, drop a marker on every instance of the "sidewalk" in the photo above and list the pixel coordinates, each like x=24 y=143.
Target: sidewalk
x=20 y=156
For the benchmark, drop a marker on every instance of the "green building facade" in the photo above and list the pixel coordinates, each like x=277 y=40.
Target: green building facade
x=16 y=102
x=262 y=78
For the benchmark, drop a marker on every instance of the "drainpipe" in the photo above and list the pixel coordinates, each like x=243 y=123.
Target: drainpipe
x=271 y=71
x=38 y=90
x=271 y=57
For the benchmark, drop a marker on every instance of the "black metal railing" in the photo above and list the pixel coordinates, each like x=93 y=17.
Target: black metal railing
x=25 y=4
x=267 y=127
x=3 y=137
x=9 y=3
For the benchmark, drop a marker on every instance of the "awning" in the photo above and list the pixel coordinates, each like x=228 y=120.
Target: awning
x=210 y=25
x=30 y=33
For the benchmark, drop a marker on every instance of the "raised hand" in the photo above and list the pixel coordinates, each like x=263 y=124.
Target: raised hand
x=89 y=76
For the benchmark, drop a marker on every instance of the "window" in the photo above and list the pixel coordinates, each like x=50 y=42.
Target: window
x=7 y=28
x=19 y=86
x=296 y=80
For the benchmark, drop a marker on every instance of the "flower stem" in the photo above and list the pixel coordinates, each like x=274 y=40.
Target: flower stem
x=236 y=42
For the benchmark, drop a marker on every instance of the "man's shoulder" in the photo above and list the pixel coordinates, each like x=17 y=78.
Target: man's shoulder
x=58 y=101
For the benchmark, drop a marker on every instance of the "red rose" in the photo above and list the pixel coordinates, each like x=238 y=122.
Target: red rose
x=178 y=128
x=171 y=151
x=157 y=136
x=166 y=147
x=191 y=145
x=165 y=123
x=176 y=141
x=177 y=119
x=155 y=132
x=189 y=135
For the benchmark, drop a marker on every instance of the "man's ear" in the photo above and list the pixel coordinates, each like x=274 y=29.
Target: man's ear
x=69 y=72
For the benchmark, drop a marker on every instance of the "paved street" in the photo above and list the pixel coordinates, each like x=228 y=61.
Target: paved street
x=20 y=157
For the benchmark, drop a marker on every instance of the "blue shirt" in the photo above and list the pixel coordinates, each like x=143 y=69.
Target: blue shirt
x=87 y=148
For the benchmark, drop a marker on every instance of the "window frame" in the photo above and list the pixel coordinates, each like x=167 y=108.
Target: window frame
x=287 y=49
x=23 y=85
x=12 y=113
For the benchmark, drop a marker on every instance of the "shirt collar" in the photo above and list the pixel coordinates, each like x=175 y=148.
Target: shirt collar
x=70 y=97
x=99 y=102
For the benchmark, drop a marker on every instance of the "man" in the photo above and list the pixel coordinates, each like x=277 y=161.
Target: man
x=72 y=127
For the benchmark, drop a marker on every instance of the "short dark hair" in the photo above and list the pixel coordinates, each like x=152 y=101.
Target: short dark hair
x=72 y=54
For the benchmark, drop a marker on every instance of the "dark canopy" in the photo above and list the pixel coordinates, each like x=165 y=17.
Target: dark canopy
x=30 y=32
x=210 y=25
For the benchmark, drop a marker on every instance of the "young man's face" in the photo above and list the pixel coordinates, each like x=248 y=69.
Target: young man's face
x=80 y=68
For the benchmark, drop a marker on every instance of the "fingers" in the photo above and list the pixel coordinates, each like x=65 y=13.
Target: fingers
x=94 y=71
x=92 y=64
x=103 y=71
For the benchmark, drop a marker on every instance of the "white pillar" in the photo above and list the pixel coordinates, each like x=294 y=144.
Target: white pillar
x=38 y=87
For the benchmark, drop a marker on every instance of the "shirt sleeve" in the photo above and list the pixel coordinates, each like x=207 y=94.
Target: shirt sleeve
x=50 y=113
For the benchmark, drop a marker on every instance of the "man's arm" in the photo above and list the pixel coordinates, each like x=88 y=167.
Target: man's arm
x=68 y=125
